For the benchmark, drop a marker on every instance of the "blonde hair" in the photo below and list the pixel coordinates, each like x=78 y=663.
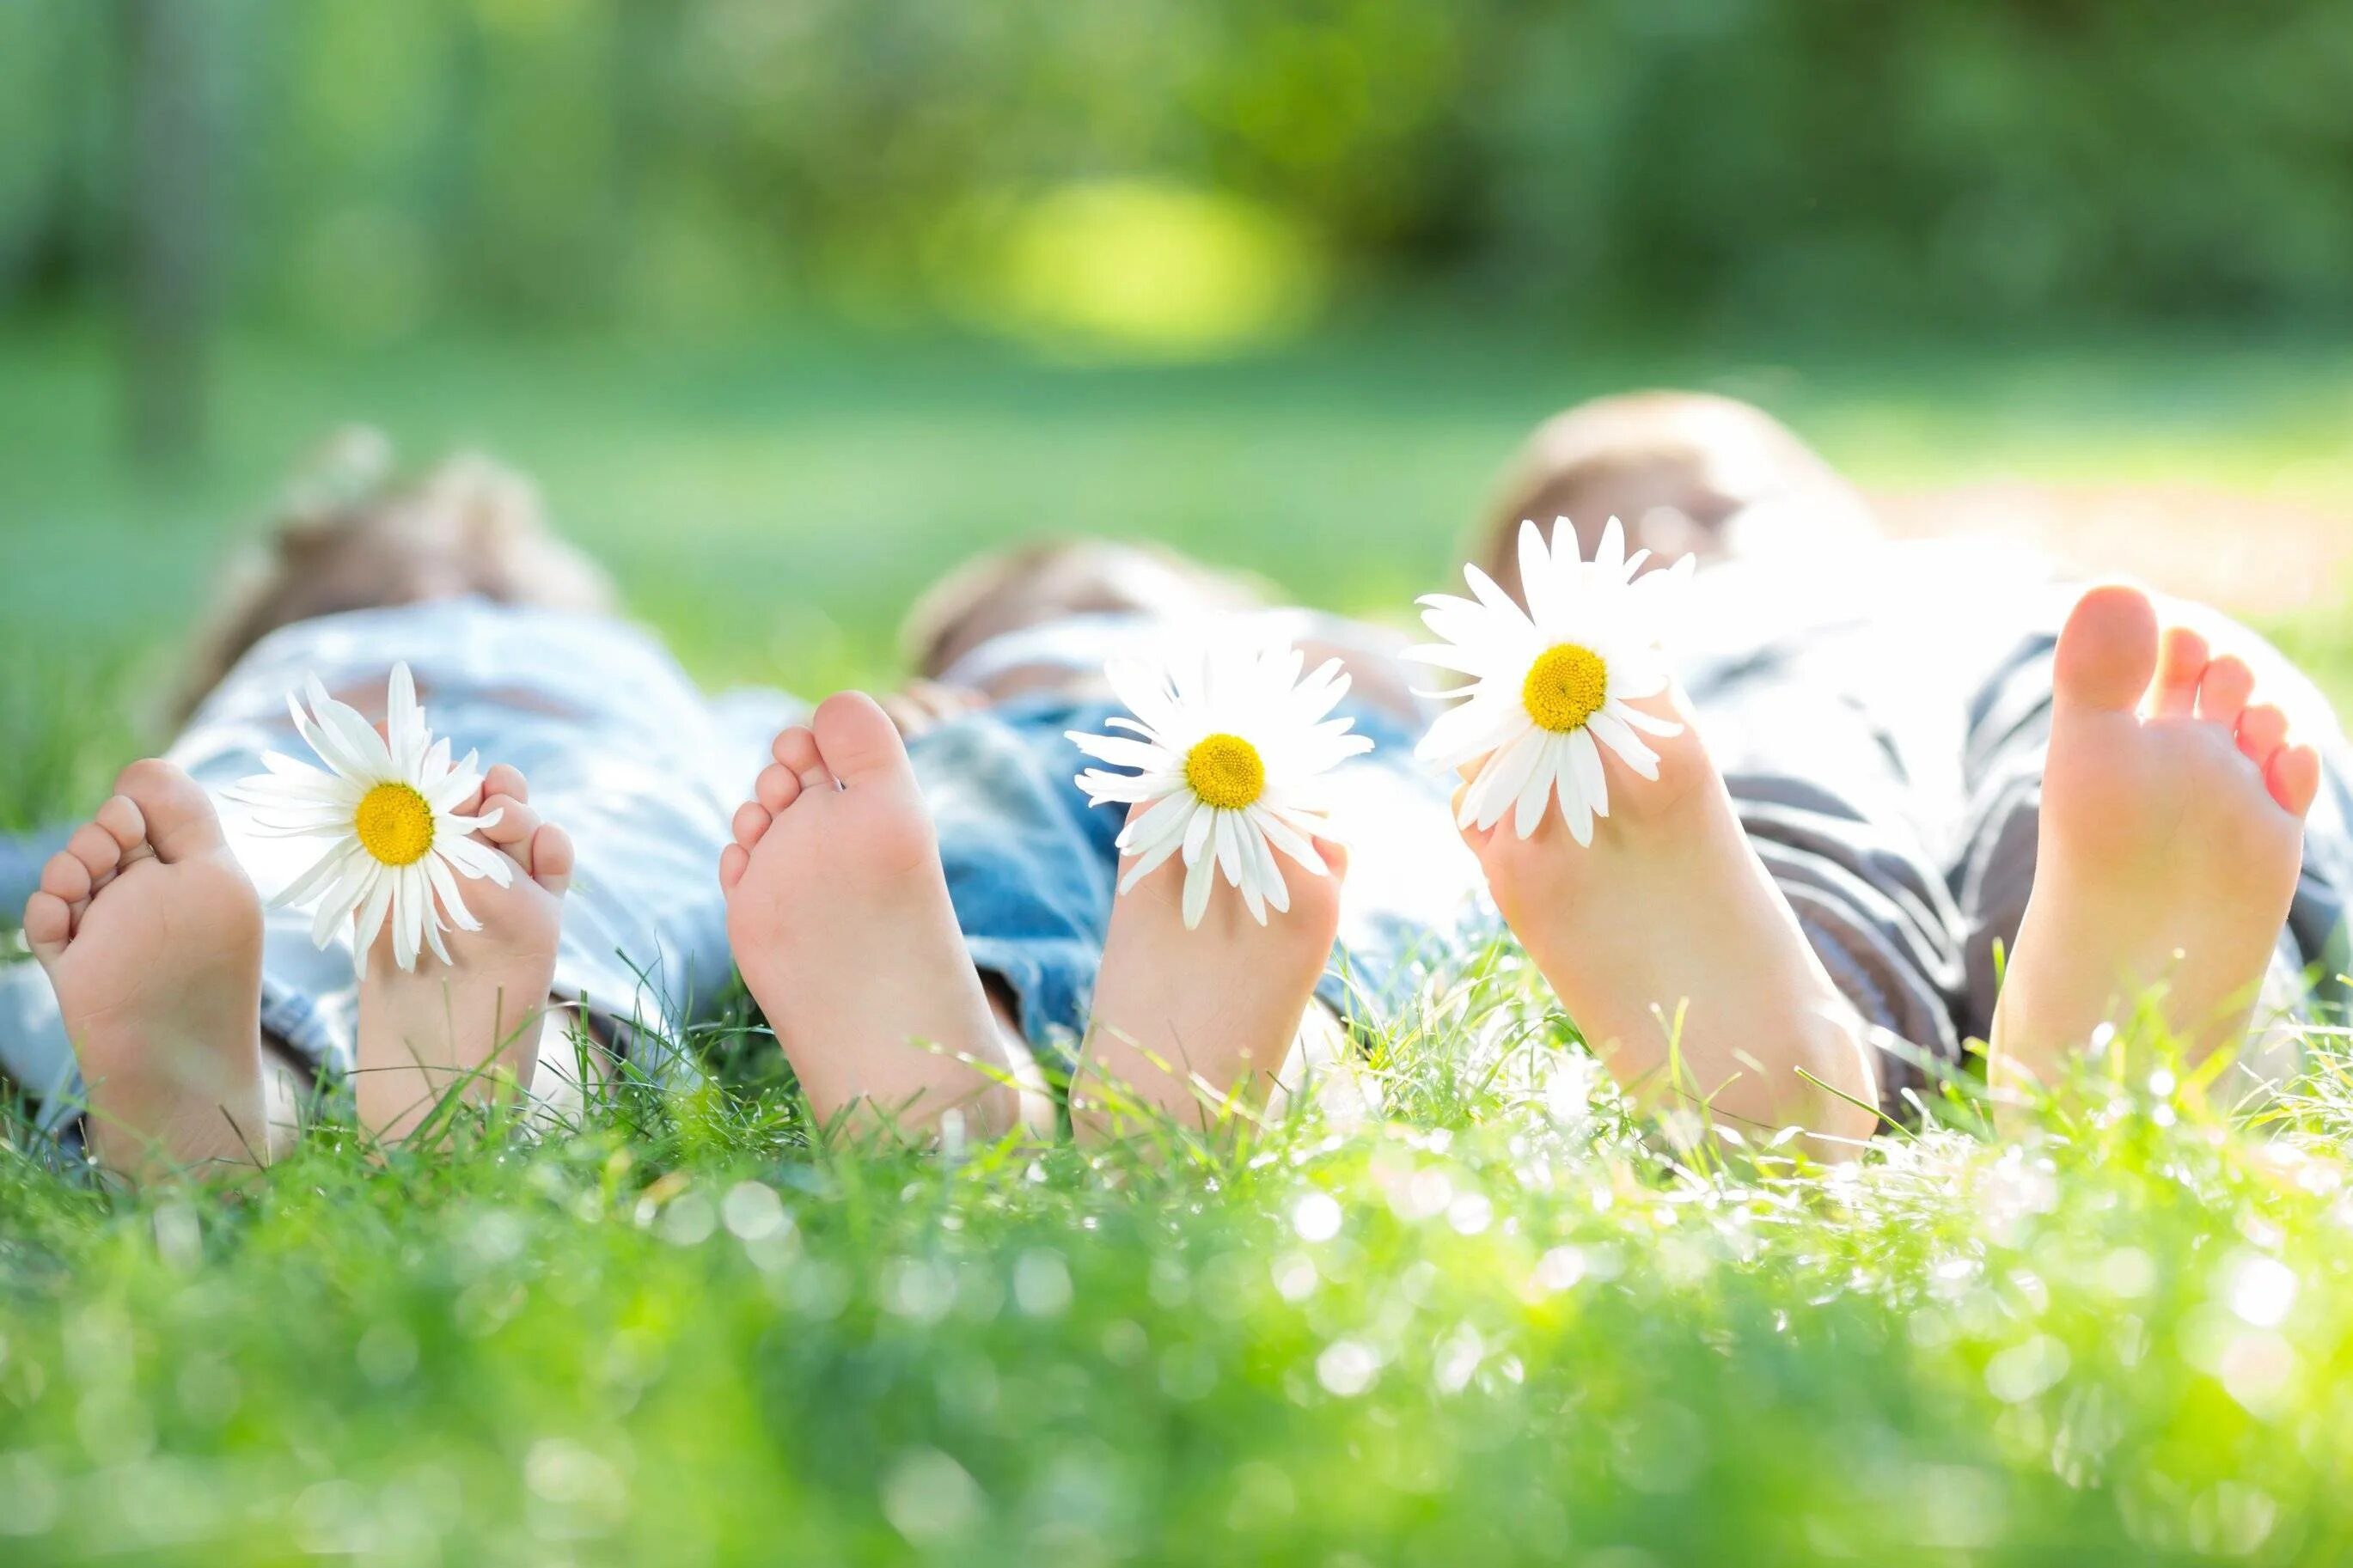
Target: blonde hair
x=1674 y=468
x=1045 y=579
x=348 y=535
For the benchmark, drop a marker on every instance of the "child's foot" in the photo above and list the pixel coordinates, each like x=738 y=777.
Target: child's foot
x=1667 y=933
x=1183 y=1018
x=837 y=911
x=152 y=935
x=2172 y=835
x=477 y=1020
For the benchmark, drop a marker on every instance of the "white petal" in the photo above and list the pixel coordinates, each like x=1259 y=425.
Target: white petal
x=1613 y=733
x=1254 y=898
x=1473 y=729
x=1283 y=835
x=1147 y=861
x=1581 y=778
x=1121 y=752
x=407 y=923
x=1158 y=822
x=357 y=874
x=403 y=725
x=445 y=887
x=371 y=919
x=1197 y=834
x=361 y=745
x=433 y=935
x=1229 y=852
x=1500 y=604
x=1536 y=794
x=472 y=858
x=1198 y=880
x=1610 y=555
x=1665 y=729
x=1122 y=789
x=1505 y=774
x=1276 y=892
x=1537 y=584
x=318 y=874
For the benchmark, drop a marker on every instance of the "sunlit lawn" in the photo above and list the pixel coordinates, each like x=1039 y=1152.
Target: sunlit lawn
x=1502 y=1325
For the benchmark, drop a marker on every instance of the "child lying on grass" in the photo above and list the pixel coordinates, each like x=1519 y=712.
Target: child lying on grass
x=1881 y=746
x=1904 y=759
x=190 y=1008
x=1885 y=749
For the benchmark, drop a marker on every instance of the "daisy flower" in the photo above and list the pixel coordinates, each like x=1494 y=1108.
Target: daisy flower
x=385 y=805
x=1227 y=745
x=1553 y=683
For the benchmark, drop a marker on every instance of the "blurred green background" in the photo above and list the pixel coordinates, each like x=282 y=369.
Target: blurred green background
x=788 y=302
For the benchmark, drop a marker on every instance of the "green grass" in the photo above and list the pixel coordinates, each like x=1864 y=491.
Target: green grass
x=1502 y=1323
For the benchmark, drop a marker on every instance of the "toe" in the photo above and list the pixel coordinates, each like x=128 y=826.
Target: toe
x=752 y=820
x=2108 y=651
x=2179 y=669
x=48 y=922
x=796 y=749
x=121 y=819
x=97 y=851
x=180 y=820
x=507 y=779
x=857 y=740
x=733 y=860
x=2223 y=693
x=67 y=878
x=777 y=787
x=512 y=830
x=550 y=858
x=2263 y=731
x=2293 y=778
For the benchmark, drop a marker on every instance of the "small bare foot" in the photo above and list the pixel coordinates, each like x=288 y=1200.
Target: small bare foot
x=476 y=1021
x=838 y=915
x=2172 y=835
x=1668 y=934
x=1185 y=1019
x=152 y=935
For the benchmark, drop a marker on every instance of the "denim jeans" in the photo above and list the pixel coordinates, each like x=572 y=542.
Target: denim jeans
x=1032 y=869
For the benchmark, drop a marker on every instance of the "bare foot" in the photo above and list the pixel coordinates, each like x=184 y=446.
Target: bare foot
x=838 y=915
x=2172 y=835
x=1185 y=1019
x=152 y=935
x=477 y=1020
x=1667 y=934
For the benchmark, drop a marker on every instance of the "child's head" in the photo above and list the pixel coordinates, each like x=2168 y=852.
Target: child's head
x=1687 y=473
x=349 y=536
x=1049 y=579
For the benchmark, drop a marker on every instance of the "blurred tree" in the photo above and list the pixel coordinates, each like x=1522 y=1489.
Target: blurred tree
x=167 y=223
x=377 y=167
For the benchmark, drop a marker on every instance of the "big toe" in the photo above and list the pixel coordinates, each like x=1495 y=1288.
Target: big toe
x=2108 y=654
x=180 y=818
x=859 y=742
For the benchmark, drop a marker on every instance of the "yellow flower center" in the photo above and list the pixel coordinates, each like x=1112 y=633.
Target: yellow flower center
x=1566 y=687
x=395 y=825
x=1225 y=771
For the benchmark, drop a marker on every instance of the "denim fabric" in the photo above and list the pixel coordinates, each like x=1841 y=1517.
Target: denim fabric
x=1032 y=869
x=641 y=769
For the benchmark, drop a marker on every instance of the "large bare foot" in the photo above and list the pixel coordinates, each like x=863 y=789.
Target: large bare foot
x=838 y=915
x=152 y=935
x=1184 y=1019
x=1667 y=936
x=2171 y=838
x=475 y=1022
